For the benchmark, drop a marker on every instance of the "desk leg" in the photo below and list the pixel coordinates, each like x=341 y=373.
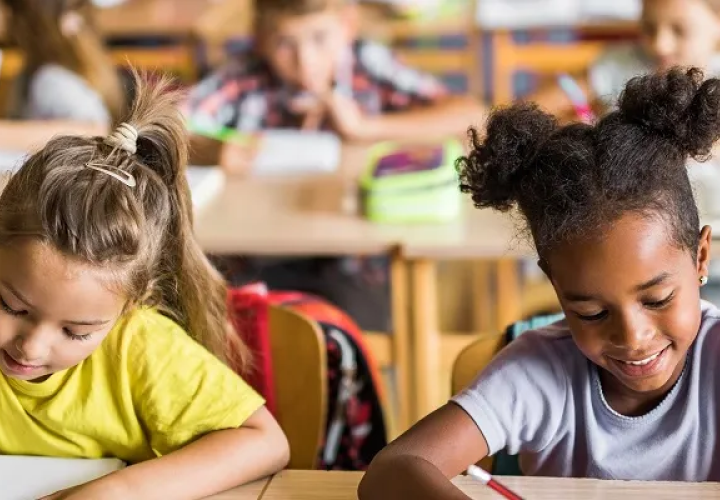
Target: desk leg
x=426 y=340
x=509 y=295
x=401 y=338
x=483 y=313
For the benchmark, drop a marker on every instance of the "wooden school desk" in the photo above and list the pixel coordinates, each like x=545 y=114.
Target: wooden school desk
x=317 y=485
x=252 y=491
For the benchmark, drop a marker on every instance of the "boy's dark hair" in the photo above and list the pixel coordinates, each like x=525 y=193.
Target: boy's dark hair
x=574 y=181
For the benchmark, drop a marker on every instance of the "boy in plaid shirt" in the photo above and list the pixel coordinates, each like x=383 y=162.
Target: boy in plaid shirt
x=309 y=71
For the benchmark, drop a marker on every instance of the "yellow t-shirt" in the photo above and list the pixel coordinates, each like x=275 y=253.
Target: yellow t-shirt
x=149 y=389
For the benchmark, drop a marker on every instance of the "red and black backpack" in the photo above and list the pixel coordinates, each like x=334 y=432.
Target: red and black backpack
x=355 y=429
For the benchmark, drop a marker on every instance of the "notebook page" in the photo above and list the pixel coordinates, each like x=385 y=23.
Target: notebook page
x=29 y=478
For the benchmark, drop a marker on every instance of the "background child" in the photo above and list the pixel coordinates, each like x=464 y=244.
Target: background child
x=308 y=70
x=67 y=75
x=672 y=33
x=626 y=386
x=100 y=279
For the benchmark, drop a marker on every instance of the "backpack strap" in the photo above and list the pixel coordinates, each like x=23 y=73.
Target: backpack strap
x=347 y=389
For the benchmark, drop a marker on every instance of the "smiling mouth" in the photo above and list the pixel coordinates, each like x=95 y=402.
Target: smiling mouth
x=17 y=367
x=643 y=367
x=643 y=361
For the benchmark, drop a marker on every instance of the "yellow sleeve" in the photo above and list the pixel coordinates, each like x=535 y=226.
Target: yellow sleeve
x=182 y=391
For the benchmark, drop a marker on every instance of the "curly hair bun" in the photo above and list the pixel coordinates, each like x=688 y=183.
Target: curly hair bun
x=493 y=171
x=679 y=105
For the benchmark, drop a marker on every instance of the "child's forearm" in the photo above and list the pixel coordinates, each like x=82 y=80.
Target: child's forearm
x=450 y=118
x=216 y=462
x=32 y=135
x=402 y=477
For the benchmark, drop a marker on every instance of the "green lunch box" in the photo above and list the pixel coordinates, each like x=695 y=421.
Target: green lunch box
x=412 y=183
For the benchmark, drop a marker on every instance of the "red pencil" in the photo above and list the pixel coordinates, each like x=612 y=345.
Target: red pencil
x=484 y=477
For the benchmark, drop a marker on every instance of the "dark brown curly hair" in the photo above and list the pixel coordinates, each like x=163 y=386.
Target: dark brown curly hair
x=576 y=180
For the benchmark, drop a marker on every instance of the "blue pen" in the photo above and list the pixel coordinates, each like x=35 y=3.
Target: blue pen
x=577 y=98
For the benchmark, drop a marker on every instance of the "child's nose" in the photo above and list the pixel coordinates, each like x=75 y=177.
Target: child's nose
x=664 y=43
x=32 y=346
x=632 y=332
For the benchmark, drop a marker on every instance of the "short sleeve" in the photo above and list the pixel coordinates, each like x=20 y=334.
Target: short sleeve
x=182 y=392
x=231 y=97
x=55 y=93
x=401 y=86
x=518 y=400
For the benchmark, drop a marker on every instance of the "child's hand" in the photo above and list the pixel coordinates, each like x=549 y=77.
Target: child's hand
x=347 y=119
x=346 y=116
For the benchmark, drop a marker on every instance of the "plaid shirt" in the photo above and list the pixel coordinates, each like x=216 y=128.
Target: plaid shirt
x=246 y=95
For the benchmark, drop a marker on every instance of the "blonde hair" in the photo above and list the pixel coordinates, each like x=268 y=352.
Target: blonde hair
x=37 y=27
x=266 y=9
x=136 y=223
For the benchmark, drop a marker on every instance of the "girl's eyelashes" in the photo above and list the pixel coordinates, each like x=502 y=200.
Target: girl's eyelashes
x=73 y=336
x=9 y=310
x=592 y=317
x=68 y=333
x=659 y=304
x=650 y=304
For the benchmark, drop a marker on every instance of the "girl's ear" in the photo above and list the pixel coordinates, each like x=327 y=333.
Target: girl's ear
x=703 y=255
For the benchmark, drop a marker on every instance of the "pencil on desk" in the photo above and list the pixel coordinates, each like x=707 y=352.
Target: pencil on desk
x=486 y=478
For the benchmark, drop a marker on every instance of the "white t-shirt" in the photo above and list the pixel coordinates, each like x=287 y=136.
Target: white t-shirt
x=541 y=398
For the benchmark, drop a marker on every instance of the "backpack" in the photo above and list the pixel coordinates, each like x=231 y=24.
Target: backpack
x=355 y=431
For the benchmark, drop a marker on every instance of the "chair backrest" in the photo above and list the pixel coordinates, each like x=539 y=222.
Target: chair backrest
x=300 y=370
x=471 y=361
x=546 y=59
x=474 y=358
x=448 y=48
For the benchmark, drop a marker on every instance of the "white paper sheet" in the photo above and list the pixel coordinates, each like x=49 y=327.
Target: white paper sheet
x=205 y=182
x=30 y=478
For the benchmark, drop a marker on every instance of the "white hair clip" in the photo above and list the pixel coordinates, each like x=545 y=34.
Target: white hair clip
x=114 y=172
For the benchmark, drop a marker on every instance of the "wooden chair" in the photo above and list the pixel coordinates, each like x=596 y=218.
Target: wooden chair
x=471 y=361
x=548 y=58
x=300 y=370
x=410 y=38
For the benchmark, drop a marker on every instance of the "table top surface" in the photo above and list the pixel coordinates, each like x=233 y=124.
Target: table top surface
x=252 y=491
x=315 y=485
x=305 y=216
